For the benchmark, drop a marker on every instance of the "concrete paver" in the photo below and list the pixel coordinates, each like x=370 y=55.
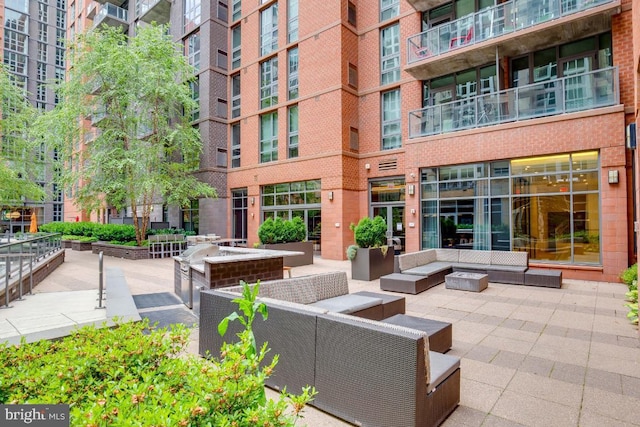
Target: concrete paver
x=530 y=356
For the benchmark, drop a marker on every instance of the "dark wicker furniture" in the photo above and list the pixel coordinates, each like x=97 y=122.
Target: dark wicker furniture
x=439 y=333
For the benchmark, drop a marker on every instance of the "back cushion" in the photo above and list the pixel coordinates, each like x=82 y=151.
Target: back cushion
x=449 y=255
x=474 y=257
x=407 y=261
x=509 y=258
x=299 y=289
x=425 y=257
x=329 y=285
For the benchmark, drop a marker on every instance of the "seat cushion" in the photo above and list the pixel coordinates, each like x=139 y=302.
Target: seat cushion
x=441 y=366
x=428 y=269
x=347 y=303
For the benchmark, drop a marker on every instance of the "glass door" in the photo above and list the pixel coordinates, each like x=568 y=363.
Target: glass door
x=394 y=216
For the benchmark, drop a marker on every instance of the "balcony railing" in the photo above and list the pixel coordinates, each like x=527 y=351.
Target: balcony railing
x=110 y=11
x=496 y=21
x=577 y=92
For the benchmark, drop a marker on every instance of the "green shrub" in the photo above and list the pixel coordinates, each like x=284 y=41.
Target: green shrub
x=70 y=237
x=629 y=276
x=135 y=374
x=370 y=233
x=277 y=230
x=632 y=305
x=86 y=239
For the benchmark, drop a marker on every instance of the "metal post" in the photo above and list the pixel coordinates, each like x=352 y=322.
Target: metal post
x=100 y=280
x=6 y=282
x=30 y=275
x=20 y=277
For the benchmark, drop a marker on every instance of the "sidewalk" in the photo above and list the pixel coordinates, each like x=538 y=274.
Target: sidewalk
x=529 y=356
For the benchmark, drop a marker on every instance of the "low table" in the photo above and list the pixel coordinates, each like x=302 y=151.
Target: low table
x=406 y=283
x=391 y=304
x=439 y=333
x=463 y=281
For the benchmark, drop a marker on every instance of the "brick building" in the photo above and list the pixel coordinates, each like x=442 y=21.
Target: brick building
x=466 y=123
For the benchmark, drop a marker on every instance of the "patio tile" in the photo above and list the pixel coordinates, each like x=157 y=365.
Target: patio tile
x=559 y=331
x=532 y=314
x=465 y=304
x=631 y=342
x=547 y=388
x=516 y=334
x=472 y=333
x=508 y=359
x=492 y=320
x=512 y=323
x=568 y=373
x=497 y=309
x=614 y=364
x=494 y=421
x=590 y=418
x=486 y=373
x=615 y=325
x=465 y=417
x=579 y=334
x=613 y=405
x=630 y=386
x=560 y=354
x=604 y=338
x=477 y=395
x=626 y=353
x=482 y=353
x=517 y=346
x=603 y=380
x=536 y=365
x=578 y=320
x=533 y=411
x=533 y=327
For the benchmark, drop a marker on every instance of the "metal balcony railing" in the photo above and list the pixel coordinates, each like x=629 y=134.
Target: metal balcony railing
x=112 y=11
x=577 y=92
x=492 y=22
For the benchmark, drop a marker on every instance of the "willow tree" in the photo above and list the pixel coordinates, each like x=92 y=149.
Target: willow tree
x=143 y=148
x=18 y=148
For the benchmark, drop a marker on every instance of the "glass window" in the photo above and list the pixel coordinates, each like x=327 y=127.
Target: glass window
x=351 y=13
x=547 y=206
x=293 y=131
x=192 y=15
x=390 y=54
x=236 y=44
x=269 y=82
x=16 y=21
x=389 y=9
x=239 y=212
x=15 y=41
x=293 y=73
x=292 y=23
x=269 y=137
x=193 y=50
x=235 y=95
x=194 y=85
x=269 y=29
x=19 y=5
x=235 y=145
x=236 y=10
x=391 y=130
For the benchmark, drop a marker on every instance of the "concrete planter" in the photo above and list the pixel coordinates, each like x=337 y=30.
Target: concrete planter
x=296 y=260
x=66 y=244
x=119 y=251
x=370 y=264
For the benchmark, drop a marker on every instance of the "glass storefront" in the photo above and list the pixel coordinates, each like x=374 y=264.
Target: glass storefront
x=387 y=199
x=547 y=206
x=294 y=199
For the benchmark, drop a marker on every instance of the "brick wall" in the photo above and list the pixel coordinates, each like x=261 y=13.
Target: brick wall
x=222 y=274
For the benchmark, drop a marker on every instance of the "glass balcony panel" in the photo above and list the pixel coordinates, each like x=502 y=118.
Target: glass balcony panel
x=574 y=93
x=492 y=22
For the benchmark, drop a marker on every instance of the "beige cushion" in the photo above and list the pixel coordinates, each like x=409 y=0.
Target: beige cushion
x=329 y=285
x=450 y=255
x=299 y=290
x=474 y=257
x=407 y=261
x=425 y=257
x=509 y=258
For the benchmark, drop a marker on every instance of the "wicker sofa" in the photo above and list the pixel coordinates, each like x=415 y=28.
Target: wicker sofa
x=435 y=264
x=366 y=372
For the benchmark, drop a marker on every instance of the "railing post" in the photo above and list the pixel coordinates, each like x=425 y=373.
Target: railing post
x=31 y=275
x=20 y=277
x=100 y=280
x=7 y=272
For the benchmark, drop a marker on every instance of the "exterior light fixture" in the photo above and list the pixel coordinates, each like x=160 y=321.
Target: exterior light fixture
x=613 y=177
x=411 y=189
x=330 y=195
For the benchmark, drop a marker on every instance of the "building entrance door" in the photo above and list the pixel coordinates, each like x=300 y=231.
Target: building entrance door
x=394 y=215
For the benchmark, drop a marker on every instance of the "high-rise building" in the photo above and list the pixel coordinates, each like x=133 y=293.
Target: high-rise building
x=471 y=124
x=33 y=51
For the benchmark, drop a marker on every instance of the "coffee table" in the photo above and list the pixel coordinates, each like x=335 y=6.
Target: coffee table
x=439 y=333
x=464 y=281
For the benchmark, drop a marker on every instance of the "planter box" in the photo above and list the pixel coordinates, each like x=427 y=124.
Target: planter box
x=371 y=264
x=66 y=244
x=296 y=260
x=81 y=246
x=119 y=251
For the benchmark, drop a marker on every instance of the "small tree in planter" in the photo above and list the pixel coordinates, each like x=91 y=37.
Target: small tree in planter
x=369 y=256
x=287 y=235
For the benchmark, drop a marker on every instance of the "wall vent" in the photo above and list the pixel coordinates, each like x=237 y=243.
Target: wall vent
x=387 y=165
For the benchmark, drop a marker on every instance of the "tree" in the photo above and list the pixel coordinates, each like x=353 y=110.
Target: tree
x=18 y=148
x=137 y=92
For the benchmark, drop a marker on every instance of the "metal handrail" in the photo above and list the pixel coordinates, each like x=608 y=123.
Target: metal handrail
x=17 y=258
x=577 y=92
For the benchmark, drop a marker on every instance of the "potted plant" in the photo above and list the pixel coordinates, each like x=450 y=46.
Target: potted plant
x=370 y=257
x=287 y=235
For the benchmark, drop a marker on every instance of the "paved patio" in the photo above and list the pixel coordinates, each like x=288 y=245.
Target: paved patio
x=530 y=356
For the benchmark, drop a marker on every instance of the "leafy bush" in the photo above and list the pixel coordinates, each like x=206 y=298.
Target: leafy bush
x=103 y=232
x=632 y=305
x=370 y=233
x=629 y=276
x=87 y=239
x=135 y=374
x=70 y=237
x=277 y=230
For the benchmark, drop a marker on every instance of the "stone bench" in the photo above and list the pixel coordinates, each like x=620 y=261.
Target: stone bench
x=544 y=278
x=463 y=281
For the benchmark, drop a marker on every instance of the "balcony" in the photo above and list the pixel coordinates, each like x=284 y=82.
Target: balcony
x=91 y=10
x=97 y=116
x=154 y=11
x=111 y=15
x=114 y=2
x=569 y=94
x=512 y=28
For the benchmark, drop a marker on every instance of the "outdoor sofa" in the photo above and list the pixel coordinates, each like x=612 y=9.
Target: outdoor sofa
x=366 y=372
